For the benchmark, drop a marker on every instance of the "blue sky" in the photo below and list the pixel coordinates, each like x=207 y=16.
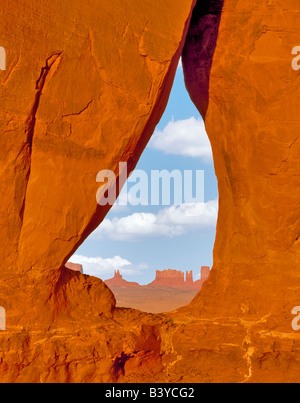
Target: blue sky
x=139 y=240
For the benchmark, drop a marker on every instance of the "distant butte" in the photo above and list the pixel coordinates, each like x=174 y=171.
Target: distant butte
x=170 y=290
x=165 y=278
x=118 y=281
x=74 y=267
x=177 y=279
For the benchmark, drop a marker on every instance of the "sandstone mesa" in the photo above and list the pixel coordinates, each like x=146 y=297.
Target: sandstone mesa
x=164 y=278
x=83 y=90
x=170 y=290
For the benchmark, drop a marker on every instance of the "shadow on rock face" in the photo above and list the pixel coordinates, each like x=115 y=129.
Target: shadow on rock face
x=199 y=50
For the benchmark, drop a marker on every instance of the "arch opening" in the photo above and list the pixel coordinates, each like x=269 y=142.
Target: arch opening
x=144 y=254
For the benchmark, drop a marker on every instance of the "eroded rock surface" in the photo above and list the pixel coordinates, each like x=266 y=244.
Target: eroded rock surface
x=252 y=119
x=84 y=90
x=84 y=87
x=249 y=101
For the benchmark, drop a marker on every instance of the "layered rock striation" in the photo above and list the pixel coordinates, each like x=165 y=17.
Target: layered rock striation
x=84 y=87
x=249 y=103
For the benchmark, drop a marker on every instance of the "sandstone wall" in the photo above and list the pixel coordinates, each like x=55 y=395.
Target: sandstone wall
x=85 y=85
x=249 y=101
x=84 y=89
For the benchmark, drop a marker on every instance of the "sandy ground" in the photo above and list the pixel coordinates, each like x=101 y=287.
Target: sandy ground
x=153 y=299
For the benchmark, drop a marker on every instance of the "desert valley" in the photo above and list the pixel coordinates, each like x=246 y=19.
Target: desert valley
x=169 y=291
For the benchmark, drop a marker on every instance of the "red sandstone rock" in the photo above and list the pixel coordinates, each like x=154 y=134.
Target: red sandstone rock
x=165 y=278
x=189 y=279
x=169 y=278
x=74 y=267
x=177 y=279
x=252 y=119
x=118 y=281
x=205 y=272
x=167 y=293
x=60 y=126
x=238 y=69
x=84 y=87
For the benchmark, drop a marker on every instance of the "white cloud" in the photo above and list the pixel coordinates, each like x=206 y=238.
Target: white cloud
x=184 y=137
x=104 y=268
x=169 y=222
x=180 y=64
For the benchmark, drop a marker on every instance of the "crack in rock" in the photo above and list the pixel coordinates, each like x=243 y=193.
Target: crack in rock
x=31 y=120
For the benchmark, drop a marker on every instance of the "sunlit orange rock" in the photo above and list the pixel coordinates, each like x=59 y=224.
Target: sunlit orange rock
x=238 y=69
x=252 y=121
x=84 y=87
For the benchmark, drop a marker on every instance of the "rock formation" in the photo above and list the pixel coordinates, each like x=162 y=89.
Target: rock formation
x=168 y=292
x=205 y=272
x=179 y=279
x=189 y=279
x=247 y=91
x=165 y=278
x=74 y=267
x=84 y=86
x=118 y=281
x=169 y=278
x=251 y=118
